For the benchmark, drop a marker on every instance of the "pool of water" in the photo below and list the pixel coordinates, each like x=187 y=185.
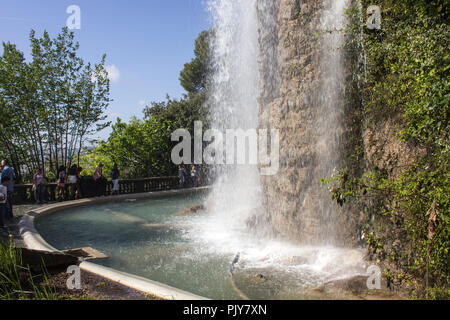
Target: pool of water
x=150 y=238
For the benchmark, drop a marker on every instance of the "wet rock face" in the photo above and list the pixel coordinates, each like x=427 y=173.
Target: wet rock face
x=354 y=288
x=291 y=112
x=200 y=208
x=300 y=207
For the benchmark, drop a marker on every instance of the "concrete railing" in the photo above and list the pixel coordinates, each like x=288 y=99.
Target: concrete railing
x=23 y=194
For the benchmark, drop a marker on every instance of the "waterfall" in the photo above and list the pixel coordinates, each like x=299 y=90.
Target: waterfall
x=271 y=73
x=234 y=104
x=330 y=118
x=275 y=67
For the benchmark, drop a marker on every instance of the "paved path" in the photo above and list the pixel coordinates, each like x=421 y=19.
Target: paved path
x=12 y=228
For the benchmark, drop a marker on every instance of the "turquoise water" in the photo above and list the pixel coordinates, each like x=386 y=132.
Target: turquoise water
x=141 y=238
x=149 y=238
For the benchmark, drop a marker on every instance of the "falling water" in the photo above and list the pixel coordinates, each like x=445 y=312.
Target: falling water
x=329 y=120
x=246 y=77
x=234 y=105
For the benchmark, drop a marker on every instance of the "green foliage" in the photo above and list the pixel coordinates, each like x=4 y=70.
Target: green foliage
x=409 y=69
x=183 y=113
x=405 y=78
x=140 y=149
x=409 y=223
x=90 y=159
x=193 y=77
x=143 y=148
x=50 y=104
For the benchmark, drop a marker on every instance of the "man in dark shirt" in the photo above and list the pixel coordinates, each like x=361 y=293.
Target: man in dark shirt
x=115 y=174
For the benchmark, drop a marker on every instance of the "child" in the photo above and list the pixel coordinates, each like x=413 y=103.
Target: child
x=181 y=175
x=61 y=182
x=3 y=200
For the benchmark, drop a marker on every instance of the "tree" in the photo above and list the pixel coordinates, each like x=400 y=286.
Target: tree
x=194 y=76
x=181 y=112
x=13 y=130
x=141 y=148
x=51 y=104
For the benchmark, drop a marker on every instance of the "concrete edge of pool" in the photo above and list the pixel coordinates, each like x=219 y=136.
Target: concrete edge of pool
x=34 y=241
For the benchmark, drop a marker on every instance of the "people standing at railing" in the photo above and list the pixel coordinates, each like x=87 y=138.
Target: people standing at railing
x=8 y=172
x=100 y=181
x=88 y=185
x=62 y=177
x=3 y=201
x=39 y=183
x=115 y=174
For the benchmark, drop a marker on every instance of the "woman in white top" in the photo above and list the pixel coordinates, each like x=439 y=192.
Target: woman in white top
x=72 y=179
x=194 y=177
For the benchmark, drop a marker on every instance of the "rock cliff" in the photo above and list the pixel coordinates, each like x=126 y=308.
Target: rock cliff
x=306 y=99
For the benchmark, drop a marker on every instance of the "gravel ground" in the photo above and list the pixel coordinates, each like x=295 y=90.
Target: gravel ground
x=94 y=287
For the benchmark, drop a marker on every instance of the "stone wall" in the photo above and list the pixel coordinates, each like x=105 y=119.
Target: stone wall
x=385 y=151
x=299 y=206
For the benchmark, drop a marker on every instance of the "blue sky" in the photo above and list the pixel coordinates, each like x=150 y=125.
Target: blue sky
x=147 y=42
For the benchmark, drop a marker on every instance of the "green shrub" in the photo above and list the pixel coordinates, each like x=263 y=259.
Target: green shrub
x=404 y=77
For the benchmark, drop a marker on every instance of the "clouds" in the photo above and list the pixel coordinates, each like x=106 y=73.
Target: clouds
x=113 y=73
x=142 y=103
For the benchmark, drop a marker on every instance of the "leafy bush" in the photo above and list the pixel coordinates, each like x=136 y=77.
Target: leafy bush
x=405 y=78
x=140 y=149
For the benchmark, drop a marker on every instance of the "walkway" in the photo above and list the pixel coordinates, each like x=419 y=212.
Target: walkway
x=13 y=228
